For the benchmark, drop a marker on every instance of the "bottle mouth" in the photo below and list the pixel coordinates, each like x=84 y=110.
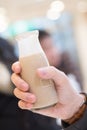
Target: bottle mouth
x=26 y=34
x=28 y=43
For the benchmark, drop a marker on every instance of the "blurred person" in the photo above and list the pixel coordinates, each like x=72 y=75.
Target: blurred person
x=71 y=106
x=11 y=116
x=8 y=103
x=60 y=60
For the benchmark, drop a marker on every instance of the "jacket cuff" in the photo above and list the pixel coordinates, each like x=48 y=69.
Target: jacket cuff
x=81 y=124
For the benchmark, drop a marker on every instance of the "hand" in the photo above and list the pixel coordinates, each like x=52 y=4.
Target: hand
x=69 y=100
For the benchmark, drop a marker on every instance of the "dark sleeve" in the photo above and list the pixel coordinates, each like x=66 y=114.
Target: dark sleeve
x=8 y=105
x=81 y=124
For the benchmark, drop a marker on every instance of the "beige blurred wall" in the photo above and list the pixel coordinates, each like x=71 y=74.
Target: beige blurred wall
x=23 y=10
x=81 y=37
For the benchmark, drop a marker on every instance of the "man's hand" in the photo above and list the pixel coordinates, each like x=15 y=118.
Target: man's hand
x=69 y=100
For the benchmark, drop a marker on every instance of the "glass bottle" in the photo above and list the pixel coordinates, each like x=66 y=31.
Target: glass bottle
x=32 y=57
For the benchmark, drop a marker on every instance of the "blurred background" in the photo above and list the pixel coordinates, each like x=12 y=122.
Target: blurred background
x=66 y=20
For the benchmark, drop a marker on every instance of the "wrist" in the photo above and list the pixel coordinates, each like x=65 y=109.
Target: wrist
x=78 y=103
x=75 y=106
x=80 y=111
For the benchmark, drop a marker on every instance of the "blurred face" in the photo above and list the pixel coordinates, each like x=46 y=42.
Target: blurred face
x=51 y=51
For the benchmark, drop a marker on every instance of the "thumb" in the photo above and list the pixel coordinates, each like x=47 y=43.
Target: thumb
x=51 y=72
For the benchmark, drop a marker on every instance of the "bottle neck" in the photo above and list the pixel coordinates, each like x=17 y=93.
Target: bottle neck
x=29 y=46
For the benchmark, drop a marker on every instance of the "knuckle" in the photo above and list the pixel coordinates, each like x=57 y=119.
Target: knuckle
x=12 y=76
x=12 y=67
x=62 y=73
x=52 y=67
x=15 y=90
x=19 y=104
x=53 y=71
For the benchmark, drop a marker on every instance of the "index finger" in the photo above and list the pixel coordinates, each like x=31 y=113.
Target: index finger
x=16 y=67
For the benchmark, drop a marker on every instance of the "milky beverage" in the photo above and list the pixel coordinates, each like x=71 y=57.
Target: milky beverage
x=31 y=58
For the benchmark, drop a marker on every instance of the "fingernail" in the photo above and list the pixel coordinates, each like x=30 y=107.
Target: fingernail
x=42 y=71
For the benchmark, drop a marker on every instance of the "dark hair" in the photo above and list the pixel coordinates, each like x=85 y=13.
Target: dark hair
x=43 y=34
x=7 y=55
